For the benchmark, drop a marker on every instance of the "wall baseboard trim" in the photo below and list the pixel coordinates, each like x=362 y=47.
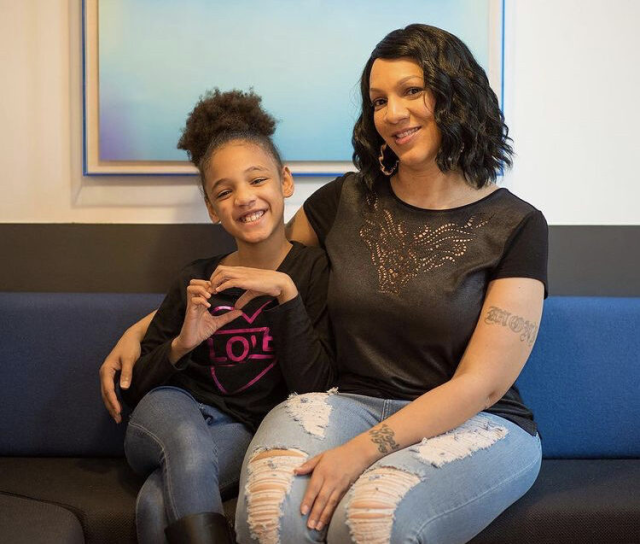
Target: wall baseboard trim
x=583 y=260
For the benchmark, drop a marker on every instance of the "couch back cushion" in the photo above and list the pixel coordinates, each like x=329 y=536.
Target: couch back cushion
x=51 y=347
x=581 y=380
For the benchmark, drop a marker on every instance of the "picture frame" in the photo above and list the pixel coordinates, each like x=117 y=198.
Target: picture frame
x=146 y=62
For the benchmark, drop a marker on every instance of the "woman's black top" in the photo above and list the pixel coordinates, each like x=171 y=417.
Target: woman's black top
x=407 y=284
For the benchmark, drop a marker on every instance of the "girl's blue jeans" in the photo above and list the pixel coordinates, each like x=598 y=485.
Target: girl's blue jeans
x=190 y=453
x=442 y=490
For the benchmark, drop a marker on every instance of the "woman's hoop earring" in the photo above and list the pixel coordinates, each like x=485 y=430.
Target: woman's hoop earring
x=383 y=168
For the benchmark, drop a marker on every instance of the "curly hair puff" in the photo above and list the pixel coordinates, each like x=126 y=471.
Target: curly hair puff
x=221 y=117
x=475 y=138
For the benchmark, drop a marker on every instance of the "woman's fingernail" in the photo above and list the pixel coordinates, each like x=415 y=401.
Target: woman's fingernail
x=305 y=510
x=319 y=526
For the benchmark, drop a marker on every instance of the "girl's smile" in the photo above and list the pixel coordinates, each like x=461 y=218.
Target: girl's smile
x=252 y=217
x=246 y=190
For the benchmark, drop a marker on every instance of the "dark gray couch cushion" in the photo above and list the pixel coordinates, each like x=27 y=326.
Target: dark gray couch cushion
x=574 y=501
x=594 y=501
x=100 y=492
x=26 y=521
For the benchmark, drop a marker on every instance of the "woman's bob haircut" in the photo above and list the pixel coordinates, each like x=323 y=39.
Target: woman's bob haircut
x=475 y=139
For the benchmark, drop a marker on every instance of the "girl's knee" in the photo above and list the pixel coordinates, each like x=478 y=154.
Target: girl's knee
x=168 y=415
x=161 y=403
x=152 y=441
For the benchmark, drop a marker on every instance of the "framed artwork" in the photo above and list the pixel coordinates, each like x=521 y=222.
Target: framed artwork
x=146 y=63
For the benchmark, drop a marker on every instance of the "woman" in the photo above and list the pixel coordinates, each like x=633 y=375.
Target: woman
x=436 y=292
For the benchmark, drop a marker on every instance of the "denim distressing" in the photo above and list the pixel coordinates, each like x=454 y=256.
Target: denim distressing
x=444 y=490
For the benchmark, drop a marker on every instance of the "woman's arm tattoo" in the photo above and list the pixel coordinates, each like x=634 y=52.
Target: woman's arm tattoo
x=527 y=329
x=383 y=436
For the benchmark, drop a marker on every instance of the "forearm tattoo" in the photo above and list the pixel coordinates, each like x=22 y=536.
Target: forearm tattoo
x=519 y=325
x=383 y=436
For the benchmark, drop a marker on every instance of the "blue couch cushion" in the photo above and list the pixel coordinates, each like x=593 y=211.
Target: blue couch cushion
x=52 y=347
x=581 y=380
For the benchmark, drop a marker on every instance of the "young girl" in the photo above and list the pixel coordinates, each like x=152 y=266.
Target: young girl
x=233 y=336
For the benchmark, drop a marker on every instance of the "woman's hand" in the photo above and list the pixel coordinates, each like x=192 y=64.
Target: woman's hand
x=334 y=472
x=199 y=324
x=255 y=281
x=121 y=359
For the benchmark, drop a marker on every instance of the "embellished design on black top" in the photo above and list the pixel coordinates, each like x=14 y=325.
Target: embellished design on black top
x=400 y=255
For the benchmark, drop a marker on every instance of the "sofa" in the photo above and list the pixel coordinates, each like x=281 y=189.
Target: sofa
x=63 y=478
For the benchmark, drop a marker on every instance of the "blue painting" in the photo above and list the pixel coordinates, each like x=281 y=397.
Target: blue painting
x=304 y=57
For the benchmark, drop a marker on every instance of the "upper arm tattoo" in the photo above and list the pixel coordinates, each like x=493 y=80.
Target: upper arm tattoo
x=384 y=437
x=527 y=330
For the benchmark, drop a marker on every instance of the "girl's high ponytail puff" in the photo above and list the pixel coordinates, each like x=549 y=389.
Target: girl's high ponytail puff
x=221 y=117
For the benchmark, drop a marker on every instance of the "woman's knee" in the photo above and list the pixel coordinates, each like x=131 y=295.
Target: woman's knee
x=452 y=484
x=368 y=512
x=366 y=515
x=271 y=494
x=268 y=511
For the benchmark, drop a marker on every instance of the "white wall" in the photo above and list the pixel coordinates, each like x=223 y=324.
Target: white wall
x=573 y=84
x=572 y=79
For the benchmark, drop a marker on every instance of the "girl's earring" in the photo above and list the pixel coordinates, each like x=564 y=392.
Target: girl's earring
x=383 y=168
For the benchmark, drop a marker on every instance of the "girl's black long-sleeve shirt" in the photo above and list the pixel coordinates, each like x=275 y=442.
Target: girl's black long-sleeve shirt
x=251 y=364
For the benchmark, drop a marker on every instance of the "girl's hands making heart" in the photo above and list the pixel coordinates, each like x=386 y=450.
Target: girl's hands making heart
x=198 y=323
x=255 y=281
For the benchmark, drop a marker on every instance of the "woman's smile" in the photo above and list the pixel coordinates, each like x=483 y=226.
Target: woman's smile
x=405 y=136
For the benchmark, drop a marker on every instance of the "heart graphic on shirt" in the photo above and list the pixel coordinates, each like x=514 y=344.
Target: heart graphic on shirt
x=240 y=354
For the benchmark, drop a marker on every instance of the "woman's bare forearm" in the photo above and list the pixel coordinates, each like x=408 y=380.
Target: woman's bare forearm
x=139 y=329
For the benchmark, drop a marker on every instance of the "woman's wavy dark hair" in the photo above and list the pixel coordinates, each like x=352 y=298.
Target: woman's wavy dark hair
x=475 y=138
x=221 y=117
